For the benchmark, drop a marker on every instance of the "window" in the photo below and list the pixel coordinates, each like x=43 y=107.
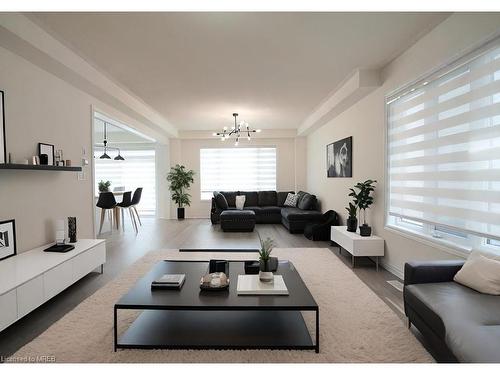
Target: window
x=443 y=153
x=231 y=169
x=137 y=170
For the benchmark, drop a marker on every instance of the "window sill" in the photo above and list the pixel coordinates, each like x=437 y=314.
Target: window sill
x=443 y=245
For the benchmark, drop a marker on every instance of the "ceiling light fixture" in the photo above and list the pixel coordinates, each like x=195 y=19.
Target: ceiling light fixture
x=106 y=147
x=239 y=129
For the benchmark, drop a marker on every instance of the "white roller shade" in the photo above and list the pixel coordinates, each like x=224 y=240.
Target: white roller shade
x=444 y=147
x=232 y=169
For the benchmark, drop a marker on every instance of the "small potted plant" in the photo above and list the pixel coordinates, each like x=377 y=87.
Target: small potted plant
x=352 y=220
x=103 y=186
x=266 y=247
x=363 y=200
x=180 y=180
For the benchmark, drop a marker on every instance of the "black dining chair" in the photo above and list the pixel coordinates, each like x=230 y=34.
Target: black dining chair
x=107 y=202
x=126 y=203
x=135 y=201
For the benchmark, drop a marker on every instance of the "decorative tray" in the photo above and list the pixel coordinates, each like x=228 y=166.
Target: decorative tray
x=214 y=281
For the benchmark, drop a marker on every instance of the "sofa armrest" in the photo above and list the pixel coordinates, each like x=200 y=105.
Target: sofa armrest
x=431 y=271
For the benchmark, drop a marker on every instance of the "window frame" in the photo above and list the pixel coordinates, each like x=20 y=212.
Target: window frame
x=426 y=232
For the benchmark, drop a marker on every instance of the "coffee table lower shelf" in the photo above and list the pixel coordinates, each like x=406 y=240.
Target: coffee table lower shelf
x=180 y=329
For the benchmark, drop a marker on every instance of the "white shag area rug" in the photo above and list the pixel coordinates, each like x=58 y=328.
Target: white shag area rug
x=355 y=326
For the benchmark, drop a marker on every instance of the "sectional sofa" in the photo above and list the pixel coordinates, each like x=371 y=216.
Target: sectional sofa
x=269 y=208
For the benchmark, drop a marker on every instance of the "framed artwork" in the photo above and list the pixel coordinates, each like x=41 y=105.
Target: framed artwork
x=339 y=158
x=45 y=148
x=7 y=238
x=3 y=146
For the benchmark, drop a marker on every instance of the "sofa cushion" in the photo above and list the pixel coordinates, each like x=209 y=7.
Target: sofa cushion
x=230 y=197
x=282 y=197
x=291 y=200
x=468 y=321
x=267 y=198
x=307 y=202
x=294 y=213
x=270 y=210
x=252 y=198
x=221 y=201
x=255 y=209
x=240 y=202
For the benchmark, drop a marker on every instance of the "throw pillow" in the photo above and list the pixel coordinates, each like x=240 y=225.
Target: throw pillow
x=308 y=202
x=221 y=201
x=291 y=200
x=480 y=273
x=240 y=202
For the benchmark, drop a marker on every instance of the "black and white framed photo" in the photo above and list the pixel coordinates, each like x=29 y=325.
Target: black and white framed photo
x=339 y=158
x=7 y=238
x=3 y=145
x=47 y=149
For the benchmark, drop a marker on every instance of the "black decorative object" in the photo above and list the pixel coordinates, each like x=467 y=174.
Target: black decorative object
x=339 y=158
x=3 y=145
x=180 y=213
x=352 y=220
x=7 y=239
x=365 y=230
x=47 y=149
x=215 y=265
x=59 y=248
x=72 y=229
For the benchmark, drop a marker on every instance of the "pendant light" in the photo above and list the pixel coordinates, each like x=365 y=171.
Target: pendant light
x=105 y=155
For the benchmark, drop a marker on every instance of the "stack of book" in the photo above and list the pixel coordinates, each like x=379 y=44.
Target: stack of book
x=169 y=281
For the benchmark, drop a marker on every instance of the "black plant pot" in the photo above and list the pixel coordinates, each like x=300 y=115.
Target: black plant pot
x=180 y=213
x=365 y=230
x=352 y=224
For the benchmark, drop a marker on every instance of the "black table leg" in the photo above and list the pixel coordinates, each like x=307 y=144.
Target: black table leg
x=115 y=328
x=317 y=330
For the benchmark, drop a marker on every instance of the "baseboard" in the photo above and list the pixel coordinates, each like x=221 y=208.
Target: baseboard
x=392 y=269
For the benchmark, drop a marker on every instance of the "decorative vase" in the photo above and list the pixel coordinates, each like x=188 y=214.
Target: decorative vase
x=180 y=213
x=72 y=229
x=352 y=224
x=265 y=275
x=365 y=230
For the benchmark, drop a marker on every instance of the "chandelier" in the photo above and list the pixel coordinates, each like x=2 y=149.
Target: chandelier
x=240 y=129
x=106 y=147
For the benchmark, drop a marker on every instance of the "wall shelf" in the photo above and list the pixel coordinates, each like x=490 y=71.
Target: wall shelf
x=40 y=167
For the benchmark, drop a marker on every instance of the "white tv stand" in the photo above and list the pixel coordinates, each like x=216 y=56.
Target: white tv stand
x=33 y=277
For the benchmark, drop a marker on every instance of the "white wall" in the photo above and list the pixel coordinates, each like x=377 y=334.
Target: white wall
x=41 y=107
x=289 y=174
x=365 y=121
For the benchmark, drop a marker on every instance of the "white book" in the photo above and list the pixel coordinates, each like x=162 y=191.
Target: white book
x=170 y=279
x=251 y=285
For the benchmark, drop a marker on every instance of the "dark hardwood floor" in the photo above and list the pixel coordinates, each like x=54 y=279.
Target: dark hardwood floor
x=123 y=248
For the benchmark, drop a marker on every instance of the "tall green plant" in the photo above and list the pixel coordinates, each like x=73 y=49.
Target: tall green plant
x=180 y=180
x=362 y=198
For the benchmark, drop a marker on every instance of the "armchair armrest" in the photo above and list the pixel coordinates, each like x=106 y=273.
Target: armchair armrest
x=431 y=272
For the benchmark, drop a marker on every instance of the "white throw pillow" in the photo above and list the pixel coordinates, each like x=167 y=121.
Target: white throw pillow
x=291 y=200
x=480 y=273
x=240 y=202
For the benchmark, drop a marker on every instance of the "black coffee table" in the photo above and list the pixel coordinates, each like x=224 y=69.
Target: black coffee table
x=194 y=319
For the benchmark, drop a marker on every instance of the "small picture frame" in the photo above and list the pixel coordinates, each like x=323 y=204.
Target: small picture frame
x=48 y=149
x=7 y=239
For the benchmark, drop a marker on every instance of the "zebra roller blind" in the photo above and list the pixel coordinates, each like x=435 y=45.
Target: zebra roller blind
x=232 y=169
x=443 y=149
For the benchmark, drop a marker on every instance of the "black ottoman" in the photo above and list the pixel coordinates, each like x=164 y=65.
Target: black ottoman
x=237 y=220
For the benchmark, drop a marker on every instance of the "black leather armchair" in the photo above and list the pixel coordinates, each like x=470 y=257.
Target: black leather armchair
x=321 y=231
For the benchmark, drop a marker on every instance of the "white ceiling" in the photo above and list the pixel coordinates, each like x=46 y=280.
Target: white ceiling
x=196 y=69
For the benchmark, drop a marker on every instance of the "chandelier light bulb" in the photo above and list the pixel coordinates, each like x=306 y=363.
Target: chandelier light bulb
x=223 y=138
x=258 y=130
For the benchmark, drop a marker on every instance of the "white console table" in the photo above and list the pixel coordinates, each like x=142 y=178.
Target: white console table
x=356 y=245
x=33 y=277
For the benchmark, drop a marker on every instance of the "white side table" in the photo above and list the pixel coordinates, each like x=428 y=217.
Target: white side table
x=357 y=245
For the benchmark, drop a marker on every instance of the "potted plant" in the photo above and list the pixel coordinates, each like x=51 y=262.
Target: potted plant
x=266 y=247
x=103 y=186
x=180 y=180
x=363 y=200
x=352 y=220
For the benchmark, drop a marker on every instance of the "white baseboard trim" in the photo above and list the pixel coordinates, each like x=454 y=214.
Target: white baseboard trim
x=392 y=269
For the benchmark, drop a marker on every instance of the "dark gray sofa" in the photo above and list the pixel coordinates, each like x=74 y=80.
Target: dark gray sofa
x=269 y=208
x=461 y=325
